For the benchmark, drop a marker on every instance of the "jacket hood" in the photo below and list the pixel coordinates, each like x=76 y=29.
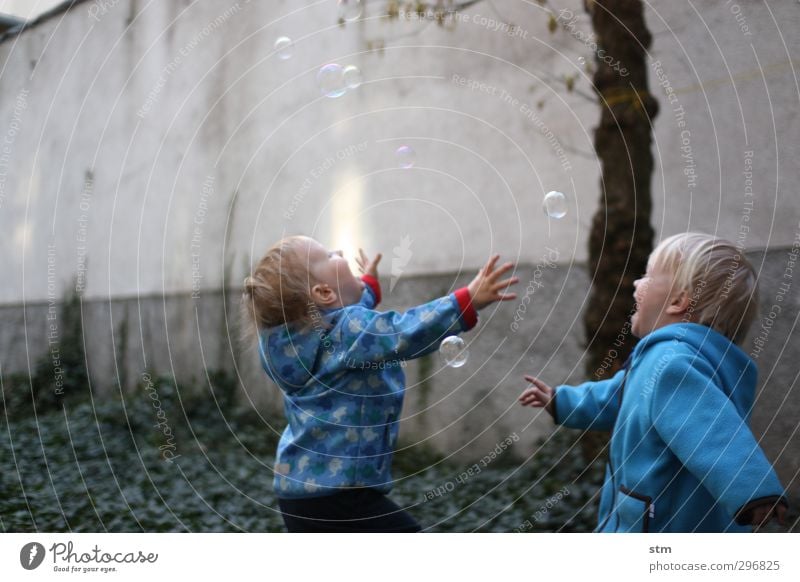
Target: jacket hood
x=291 y=358
x=734 y=371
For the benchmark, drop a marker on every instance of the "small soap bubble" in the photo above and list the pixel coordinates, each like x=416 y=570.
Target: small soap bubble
x=581 y=60
x=406 y=156
x=352 y=77
x=283 y=46
x=330 y=80
x=350 y=10
x=454 y=351
x=555 y=205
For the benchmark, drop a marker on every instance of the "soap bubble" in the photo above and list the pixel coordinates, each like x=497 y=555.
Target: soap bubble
x=406 y=156
x=454 y=351
x=283 y=46
x=352 y=77
x=349 y=10
x=581 y=60
x=330 y=80
x=555 y=205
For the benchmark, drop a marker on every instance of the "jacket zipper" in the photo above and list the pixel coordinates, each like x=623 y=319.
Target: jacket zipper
x=650 y=507
x=627 y=366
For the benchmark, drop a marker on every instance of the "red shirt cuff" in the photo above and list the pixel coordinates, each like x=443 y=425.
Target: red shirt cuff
x=374 y=285
x=468 y=312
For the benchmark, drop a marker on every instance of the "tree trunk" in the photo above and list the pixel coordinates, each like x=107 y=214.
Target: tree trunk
x=621 y=236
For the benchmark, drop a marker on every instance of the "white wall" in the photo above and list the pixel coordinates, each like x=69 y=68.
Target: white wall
x=230 y=109
x=217 y=102
x=730 y=65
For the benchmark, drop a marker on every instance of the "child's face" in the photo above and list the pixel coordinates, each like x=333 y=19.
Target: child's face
x=331 y=269
x=654 y=295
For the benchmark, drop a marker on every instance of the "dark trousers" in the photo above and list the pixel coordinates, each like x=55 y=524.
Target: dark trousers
x=352 y=510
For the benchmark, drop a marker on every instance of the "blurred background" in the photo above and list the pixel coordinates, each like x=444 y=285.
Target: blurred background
x=152 y=151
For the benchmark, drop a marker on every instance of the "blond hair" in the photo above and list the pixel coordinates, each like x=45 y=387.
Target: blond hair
x=277 y=292
x=721 y=281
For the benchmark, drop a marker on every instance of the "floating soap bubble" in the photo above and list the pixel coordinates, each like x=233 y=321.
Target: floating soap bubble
x=283 y=46
x=406 y=157
x=581 y=60
x=352 y=77
x=454 y=351
x=330 y=80
x=555 y=205
x=350 y=10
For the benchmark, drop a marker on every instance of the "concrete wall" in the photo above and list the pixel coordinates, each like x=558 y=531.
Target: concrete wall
x=154 y=149
x=156 y=141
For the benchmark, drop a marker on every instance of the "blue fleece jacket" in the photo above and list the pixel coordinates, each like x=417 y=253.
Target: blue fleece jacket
x=343 y=384
x=682 y=457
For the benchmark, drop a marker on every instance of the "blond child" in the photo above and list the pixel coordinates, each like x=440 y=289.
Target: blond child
x=339 y=364
x=682 y=457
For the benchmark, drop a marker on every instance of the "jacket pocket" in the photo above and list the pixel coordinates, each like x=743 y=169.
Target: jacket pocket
x=634 y=511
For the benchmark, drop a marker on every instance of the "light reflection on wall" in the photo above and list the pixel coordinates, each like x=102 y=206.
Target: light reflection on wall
x=346 y=228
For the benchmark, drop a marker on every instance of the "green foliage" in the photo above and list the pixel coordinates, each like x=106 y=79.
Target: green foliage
x=100 y=467
x=71 y=352
x=504 y=494
x=59 y=374
x=223 y=385
x=121 y=351
x=15 y=394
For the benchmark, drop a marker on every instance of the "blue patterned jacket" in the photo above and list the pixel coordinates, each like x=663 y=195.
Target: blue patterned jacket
x=343 y=382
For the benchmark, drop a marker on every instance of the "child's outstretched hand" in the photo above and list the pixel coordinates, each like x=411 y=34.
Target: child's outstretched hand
x=761 y=515
x=367 y=266
x=485 y=287
x=538 y=395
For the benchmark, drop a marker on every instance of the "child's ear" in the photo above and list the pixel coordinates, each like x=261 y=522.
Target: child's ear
x=679 y=303
x=323 y=295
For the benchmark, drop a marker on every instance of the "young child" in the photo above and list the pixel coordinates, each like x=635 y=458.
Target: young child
x=682 y=457
x=339 y=364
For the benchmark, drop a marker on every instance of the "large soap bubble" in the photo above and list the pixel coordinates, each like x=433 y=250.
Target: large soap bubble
x=331 y=81
x=284 y=46
x=406 y=156
x=555 y=205
x=350 y=10
x=454 y=351
x=352 y=77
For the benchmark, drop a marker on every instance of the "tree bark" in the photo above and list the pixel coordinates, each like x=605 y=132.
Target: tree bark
x=621 y=236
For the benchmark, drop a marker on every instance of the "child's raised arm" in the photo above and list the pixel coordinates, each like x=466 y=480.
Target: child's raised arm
x=367 y=336
x=538 y=395
x=485 y=288
x=369 y=275
x=368 y=266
